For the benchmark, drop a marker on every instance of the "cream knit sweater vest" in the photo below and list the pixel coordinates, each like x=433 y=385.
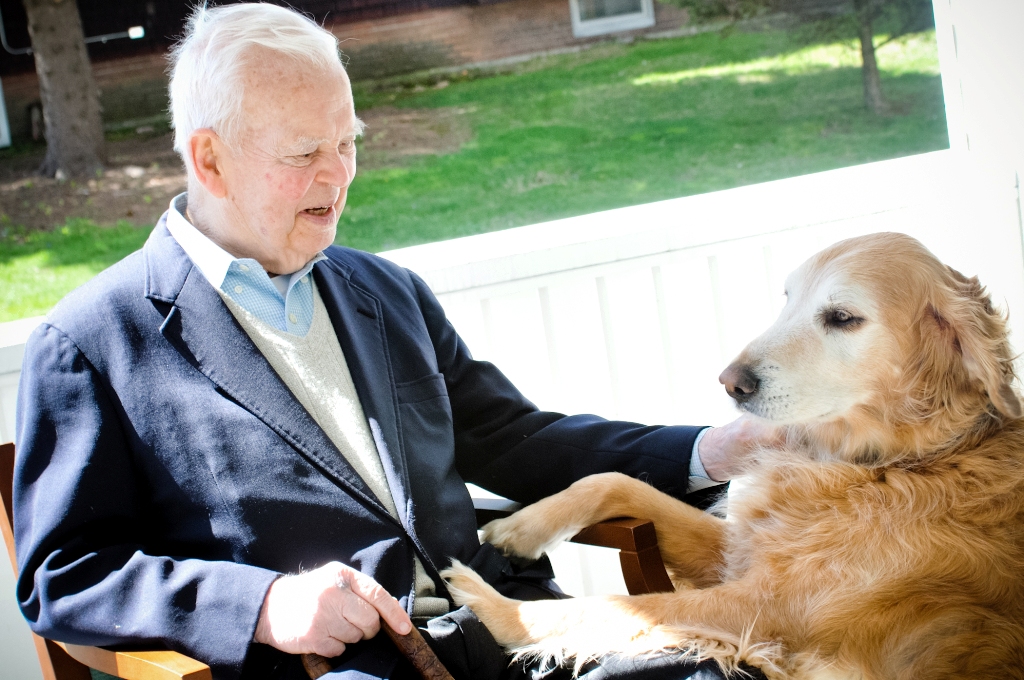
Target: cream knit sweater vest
x=314 y=369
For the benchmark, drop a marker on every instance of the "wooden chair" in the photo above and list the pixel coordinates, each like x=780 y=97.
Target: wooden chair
x=61 y=661
x=642 y=570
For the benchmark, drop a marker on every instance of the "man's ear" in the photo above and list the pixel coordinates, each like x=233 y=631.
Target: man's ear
x=206 y=153
x=979 y=334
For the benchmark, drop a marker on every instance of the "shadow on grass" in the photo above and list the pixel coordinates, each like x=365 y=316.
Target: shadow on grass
x=38 y=268
x=78 y=242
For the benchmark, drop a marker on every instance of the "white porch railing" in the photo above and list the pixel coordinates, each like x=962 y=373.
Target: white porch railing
x=12 y=350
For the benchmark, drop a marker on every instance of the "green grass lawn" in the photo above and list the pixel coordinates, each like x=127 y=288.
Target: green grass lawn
x=612 y=126
x=623 y=125
x=38 y=268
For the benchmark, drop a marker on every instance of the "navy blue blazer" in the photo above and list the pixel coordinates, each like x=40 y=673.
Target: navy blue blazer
x=165 y=475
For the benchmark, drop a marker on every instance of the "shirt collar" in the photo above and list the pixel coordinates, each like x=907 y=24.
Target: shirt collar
x=212 y=260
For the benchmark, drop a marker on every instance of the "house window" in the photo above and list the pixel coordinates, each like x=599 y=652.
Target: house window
x=597 y=17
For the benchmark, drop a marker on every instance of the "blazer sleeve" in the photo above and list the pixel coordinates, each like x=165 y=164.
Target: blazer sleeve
x=503 y=443
x=88 y=573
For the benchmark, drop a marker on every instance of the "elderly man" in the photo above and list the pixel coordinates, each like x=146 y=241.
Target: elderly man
x=245 y=443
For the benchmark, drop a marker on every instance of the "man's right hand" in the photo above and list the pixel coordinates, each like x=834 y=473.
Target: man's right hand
x=322 y=610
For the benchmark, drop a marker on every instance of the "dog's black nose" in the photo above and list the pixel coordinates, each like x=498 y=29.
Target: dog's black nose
x=740 y=382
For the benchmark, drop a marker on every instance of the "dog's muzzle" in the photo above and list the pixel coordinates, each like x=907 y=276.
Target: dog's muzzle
x=740 y=382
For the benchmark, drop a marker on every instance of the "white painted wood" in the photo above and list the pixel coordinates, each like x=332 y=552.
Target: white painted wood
x=8 y=396
x=13 y=335
x=18 y=653
x=16 y=649
x=981 y=53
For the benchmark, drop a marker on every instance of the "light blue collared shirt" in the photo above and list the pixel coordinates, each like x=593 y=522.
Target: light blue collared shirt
x=284 y=302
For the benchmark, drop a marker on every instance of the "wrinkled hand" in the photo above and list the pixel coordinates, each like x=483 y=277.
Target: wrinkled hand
x=322 y=610
x=724 y=451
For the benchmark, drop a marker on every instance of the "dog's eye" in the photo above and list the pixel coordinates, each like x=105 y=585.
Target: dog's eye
x=840 y=318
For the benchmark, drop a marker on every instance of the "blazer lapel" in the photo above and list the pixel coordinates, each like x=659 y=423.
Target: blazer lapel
x=201 y=327
x=358 y=322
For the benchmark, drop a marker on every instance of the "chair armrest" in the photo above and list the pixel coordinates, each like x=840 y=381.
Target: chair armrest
x=642 y=567
x=623 y=533
x=139 y=665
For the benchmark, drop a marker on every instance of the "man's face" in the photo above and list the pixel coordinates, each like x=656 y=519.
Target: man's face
x=287 y=175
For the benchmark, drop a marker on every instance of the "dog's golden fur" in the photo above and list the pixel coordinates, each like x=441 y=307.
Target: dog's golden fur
x=885 y=539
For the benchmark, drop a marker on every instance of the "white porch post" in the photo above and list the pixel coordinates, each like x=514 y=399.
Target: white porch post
x=982 y=61
x=982 y=55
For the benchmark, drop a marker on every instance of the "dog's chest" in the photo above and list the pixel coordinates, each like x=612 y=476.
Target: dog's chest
x=825 y=533
x=855 y=532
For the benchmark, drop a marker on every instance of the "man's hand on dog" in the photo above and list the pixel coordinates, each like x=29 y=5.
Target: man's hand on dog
x=322 y=610
x=725 y=451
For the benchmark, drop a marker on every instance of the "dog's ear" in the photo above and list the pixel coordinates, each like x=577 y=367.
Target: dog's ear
x=979 y=334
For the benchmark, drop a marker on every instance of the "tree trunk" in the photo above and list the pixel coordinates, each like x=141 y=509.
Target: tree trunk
x=873 y=100
x=71 y=103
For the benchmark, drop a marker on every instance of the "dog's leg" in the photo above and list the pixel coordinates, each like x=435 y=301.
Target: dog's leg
x=692 y=542
x=694 y=621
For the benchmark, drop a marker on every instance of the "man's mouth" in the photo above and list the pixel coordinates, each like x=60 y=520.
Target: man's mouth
x=318 y=211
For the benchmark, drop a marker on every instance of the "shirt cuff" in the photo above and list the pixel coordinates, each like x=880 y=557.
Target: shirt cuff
x=699 y=478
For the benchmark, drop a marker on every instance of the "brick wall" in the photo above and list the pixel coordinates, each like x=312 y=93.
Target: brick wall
x=130 y=88
x=468 y=34
x=135 y=87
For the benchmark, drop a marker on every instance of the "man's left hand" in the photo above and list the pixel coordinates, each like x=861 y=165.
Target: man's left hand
x=725 y=451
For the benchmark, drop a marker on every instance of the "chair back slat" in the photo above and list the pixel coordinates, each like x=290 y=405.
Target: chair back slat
x=7 y=493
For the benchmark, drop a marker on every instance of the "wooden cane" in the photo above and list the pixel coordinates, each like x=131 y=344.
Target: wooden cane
x=412 y=646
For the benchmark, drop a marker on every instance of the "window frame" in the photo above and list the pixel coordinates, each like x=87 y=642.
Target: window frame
x=615 y=24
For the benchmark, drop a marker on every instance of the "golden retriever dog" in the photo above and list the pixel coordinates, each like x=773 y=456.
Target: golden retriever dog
x=884 y=539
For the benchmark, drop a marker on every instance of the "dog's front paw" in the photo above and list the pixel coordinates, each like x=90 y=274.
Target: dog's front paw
x=466 y=586
x=495 y=611
x=523 y=534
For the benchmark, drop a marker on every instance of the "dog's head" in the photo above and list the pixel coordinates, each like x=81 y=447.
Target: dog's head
x=881 y=352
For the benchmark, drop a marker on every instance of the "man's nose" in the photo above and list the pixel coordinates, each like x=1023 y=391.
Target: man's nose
x=740 y=381
x=338 y=170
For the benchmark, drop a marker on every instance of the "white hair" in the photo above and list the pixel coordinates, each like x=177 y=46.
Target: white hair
x=208 y=63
